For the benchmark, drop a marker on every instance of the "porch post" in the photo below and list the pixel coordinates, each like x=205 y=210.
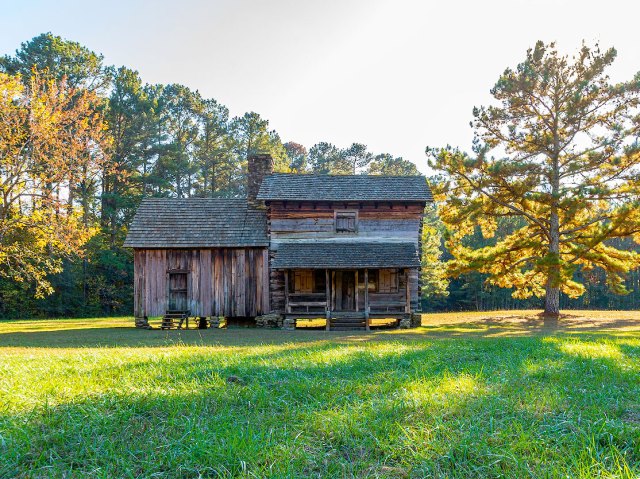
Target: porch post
x=407 y=308
x=366 y=298
x=356 y=292
x=286 y=291
x=333 y=290
x=168 y=289
x=327 y=298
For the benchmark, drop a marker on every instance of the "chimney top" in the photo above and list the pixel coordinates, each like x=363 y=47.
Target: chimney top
x=258 y=166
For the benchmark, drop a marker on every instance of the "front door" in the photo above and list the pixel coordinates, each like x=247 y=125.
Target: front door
x=345 y=290
x=178 y=291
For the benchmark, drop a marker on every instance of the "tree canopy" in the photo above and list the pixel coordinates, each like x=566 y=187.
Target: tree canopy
x=51 y=138
x=558 y=151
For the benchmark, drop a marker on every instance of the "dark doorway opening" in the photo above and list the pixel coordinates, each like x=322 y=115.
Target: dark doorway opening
x=178 y=291
x=346 y=290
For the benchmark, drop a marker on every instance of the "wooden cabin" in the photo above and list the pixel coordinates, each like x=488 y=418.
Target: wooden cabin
x=343 y=248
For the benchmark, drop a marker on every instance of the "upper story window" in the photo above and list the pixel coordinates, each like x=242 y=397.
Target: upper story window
x=346 y=221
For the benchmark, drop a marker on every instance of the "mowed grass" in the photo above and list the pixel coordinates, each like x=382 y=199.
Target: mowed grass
x=467 y=395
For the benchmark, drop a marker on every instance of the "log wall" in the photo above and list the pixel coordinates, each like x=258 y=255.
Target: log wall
x=377 y=221
x=230 y=282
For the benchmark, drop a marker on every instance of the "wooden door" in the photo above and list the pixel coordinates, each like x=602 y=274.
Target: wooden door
x=177 y=299
x=347 y=287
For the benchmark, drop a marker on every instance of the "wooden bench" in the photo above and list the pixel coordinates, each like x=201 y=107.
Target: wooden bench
x=385 y=306
x=307 y=305
x=306 y=301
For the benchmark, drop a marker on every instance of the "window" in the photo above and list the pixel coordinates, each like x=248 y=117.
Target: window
x=346 y=221
x=303 y=282
x=309 y=281
x=388 y=281
x=373 y=280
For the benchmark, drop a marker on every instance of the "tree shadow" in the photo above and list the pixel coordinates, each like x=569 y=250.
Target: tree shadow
x=508 y=407
x=489 y=327
x=512 y=326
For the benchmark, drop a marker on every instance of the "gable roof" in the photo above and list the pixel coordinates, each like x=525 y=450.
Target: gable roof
x=341 y=254
x=197 y=222
x=304 y=187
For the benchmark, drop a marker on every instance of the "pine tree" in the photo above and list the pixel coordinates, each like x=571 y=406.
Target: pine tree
x=559 y=151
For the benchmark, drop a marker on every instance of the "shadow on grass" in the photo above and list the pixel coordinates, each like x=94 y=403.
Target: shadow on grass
x=503 y=408
x=491 y=327
x=512 y=326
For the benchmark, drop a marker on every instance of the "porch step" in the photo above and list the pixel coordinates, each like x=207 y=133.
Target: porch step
x=349 y=315
x=171 y=317
x=347 y=321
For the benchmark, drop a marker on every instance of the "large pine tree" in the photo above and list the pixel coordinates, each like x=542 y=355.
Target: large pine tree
x=559 y=149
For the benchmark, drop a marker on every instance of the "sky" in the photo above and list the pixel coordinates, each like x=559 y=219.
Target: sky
x=396 y=75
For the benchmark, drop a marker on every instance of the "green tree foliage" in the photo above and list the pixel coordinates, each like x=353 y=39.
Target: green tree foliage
x=216 y=165
x=388 y=165
x=323 y=157
x=127 y=116
x=354 y=159
x=433 y=270
x=179 y=123
x=326 y=158
x=50 y=135
x=559 y=151
x=298 y=156
x=56 y=58
x=252 y=135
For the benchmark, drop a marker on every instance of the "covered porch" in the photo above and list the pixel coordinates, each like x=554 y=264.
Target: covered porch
x=348 y=284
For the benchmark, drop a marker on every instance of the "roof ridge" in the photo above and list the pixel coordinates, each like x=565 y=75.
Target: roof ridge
x=338 y=175
x=190 y=198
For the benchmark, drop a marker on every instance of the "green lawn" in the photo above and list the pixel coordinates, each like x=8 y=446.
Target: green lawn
x=467 y=395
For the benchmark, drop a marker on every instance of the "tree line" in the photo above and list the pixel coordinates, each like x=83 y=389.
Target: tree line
x=112 y=140
x=544 y=209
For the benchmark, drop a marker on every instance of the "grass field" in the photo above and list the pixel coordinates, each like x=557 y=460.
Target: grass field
x=467 y=395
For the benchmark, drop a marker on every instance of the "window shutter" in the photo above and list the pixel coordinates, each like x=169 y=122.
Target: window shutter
x=346 y=221
x=303 y=282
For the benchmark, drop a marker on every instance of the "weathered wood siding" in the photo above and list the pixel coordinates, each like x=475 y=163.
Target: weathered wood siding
x=221 y=282
x=382 y=221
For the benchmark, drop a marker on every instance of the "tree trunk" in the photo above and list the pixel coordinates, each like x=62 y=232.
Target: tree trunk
x=552 y=300
x=552 y=293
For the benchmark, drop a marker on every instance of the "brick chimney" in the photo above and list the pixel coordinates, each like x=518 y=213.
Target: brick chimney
x=258 y=166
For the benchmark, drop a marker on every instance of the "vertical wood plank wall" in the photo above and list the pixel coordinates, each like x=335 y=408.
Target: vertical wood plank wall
x=222 y=282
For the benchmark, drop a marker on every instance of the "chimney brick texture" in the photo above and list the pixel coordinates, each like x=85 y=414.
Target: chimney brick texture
x=258 y=166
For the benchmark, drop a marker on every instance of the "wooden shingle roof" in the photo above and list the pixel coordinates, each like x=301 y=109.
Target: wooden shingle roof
x=197 y=222
x=303 y=187
x=334 y=254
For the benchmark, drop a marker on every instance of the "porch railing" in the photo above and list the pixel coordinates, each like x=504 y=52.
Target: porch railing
x=305 y=302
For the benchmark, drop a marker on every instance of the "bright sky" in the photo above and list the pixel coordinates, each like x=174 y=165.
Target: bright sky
x=396 y=75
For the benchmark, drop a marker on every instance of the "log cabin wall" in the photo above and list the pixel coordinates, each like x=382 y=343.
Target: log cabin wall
x=230 y=282
x=375 y=221
x=383 y=222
